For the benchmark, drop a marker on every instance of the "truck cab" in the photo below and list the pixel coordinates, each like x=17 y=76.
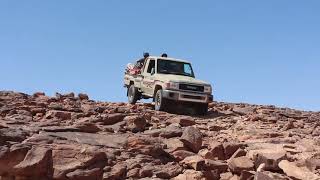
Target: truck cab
x=169 y=81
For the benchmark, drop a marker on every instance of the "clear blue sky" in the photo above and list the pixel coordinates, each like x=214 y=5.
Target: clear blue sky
x=264 y=52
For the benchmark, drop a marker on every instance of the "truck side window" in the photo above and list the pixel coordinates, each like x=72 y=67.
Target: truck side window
x=151 y=65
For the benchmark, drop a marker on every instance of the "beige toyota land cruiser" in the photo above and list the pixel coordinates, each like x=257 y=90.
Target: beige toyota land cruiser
x=169 y=82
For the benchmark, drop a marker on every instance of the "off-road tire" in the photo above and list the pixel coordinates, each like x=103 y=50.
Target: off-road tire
x=133 y=94
x=159 y=101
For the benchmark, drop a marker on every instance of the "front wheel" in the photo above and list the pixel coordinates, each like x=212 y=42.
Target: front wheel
x=133 y=94
x=160 y=101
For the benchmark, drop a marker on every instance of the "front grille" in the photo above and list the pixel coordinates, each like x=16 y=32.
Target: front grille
x=193 y=97
x=189 y=87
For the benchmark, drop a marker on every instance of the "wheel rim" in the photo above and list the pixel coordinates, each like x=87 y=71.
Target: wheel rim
x=158 y=99
x=130 y=92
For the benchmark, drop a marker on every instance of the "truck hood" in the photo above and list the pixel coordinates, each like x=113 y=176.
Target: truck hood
x=181 y=79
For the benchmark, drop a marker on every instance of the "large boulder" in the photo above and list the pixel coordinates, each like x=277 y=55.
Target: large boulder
x=192 y=139
x=37 y=163
x=10 y=157
x=69 y=158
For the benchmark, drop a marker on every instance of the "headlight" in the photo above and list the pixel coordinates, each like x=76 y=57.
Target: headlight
x=208 y=89
x=172 y=85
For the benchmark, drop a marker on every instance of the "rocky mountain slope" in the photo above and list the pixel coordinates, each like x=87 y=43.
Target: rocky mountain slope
x=74 y=138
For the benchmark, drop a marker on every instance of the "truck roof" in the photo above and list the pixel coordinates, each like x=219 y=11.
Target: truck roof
x=169 y=59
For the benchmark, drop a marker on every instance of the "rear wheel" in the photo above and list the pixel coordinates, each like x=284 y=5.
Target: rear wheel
x=160 y=101
x=133 y=94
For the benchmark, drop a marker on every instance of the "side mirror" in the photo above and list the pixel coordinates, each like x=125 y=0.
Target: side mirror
x=152 y=71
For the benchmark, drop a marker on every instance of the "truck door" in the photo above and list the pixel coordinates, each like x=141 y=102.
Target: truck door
x=148 y=81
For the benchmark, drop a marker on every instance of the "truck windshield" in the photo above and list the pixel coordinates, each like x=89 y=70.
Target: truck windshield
x=174 y=67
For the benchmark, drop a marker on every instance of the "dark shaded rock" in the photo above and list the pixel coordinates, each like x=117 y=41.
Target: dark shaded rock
x=83 y=96
x=10 y=134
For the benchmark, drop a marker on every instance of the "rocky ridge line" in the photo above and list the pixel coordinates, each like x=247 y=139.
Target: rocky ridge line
x=74 y=138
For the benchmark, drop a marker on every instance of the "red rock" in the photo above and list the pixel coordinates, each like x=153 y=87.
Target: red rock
x=38 y=94
x=240 y=152
x=145 y=145
x=196 y=162
x=237 y=165
x=247 y=175
x=182 y=120
x=270 y=158
x=206 y=154
x=63 y=115
x=37 y=163
x=133 y=173
x=68 y=158
x=135 y=123
x=226 y=176
x=87 y=127
x=169 y=170
x=313 y=164
x=81 y=174
x=190 y=174
x=220 y=166
x=118 y=171
x=111 y=119
x=146 y=171
x=10 y=157
x=192 y=138
x=180 y=155
x=83 y=96
x=230 y=148
x=217 y=150
x=291 y=170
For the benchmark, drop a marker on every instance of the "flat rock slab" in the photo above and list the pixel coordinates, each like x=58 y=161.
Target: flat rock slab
x=296 y=172
x=107 y=140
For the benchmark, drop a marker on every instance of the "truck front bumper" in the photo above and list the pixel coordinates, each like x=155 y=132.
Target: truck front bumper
x=187 y=96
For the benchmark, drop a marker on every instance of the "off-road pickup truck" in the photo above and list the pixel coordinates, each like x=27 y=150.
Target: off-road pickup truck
x=170 y=82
